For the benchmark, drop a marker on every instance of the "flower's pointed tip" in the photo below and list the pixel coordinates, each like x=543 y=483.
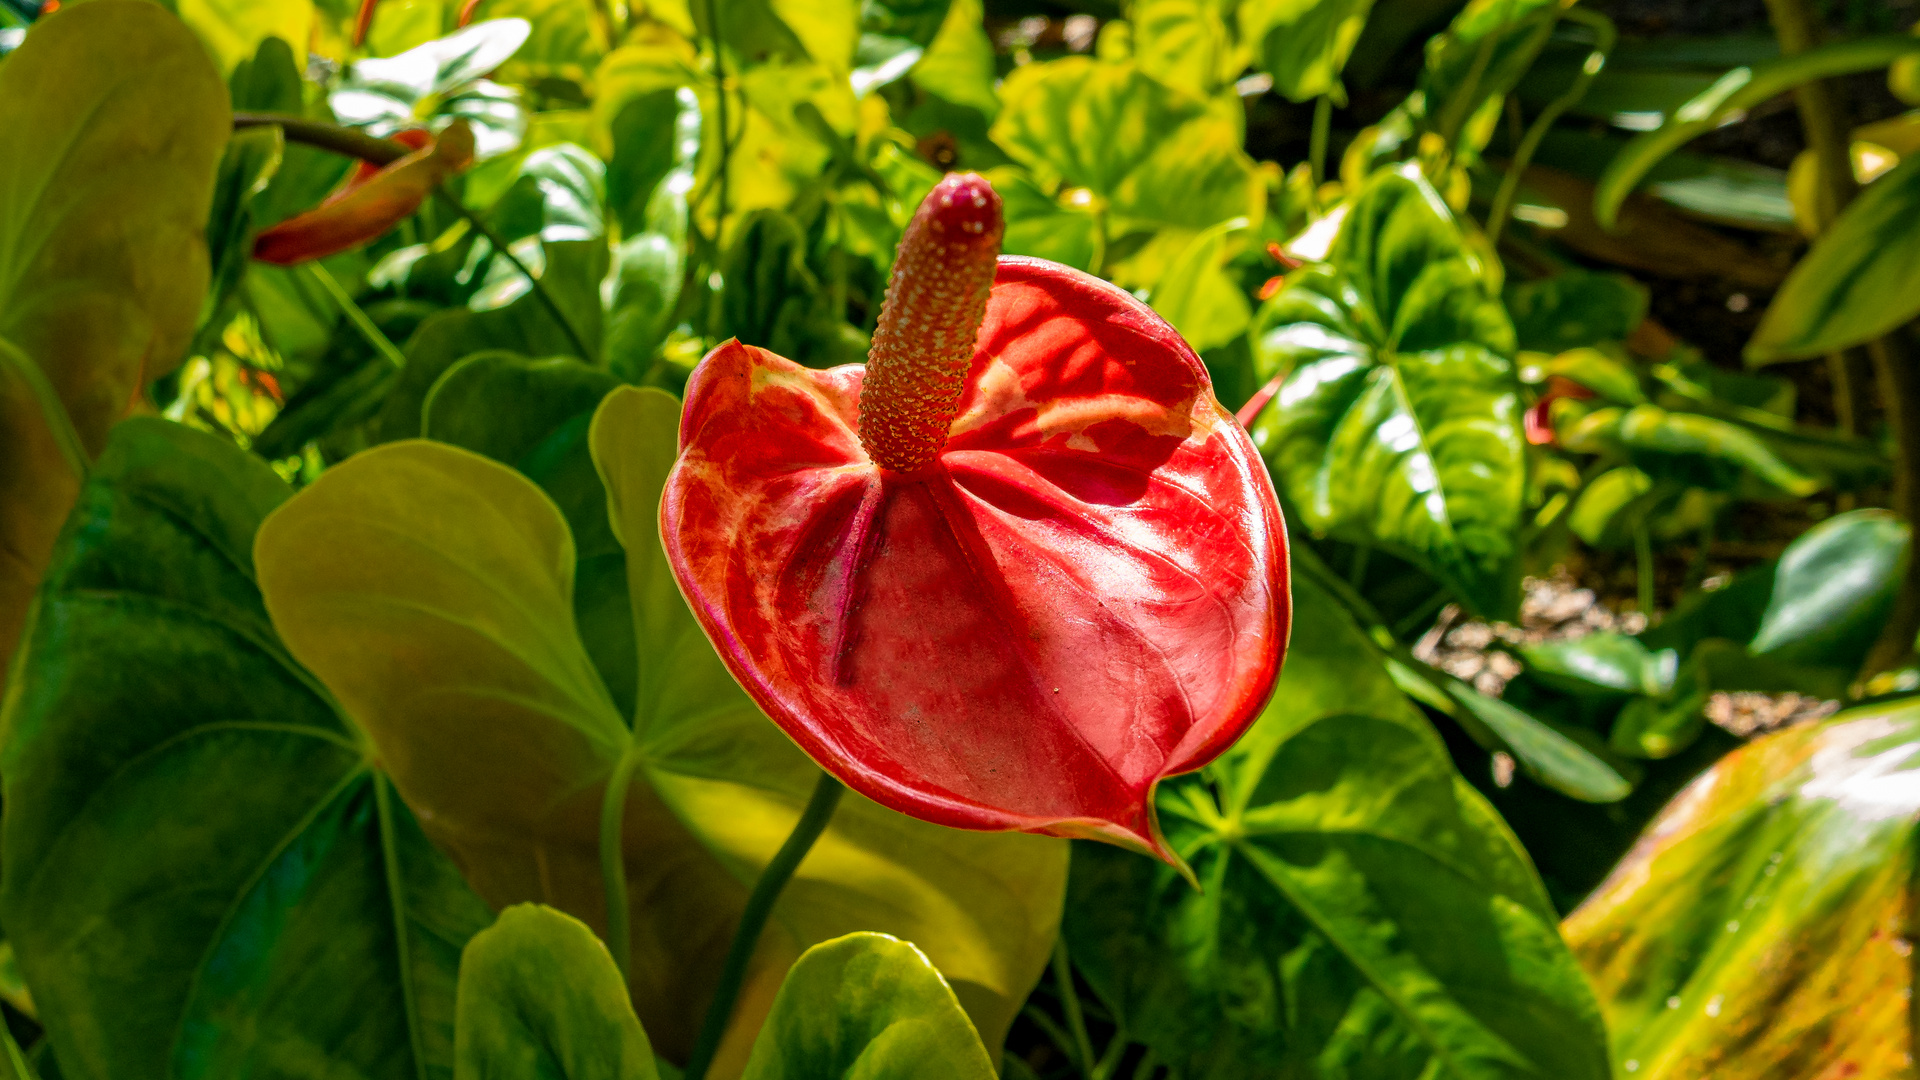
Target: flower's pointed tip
x=1145 y=838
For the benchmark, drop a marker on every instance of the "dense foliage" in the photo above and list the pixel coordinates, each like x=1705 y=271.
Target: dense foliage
x=356 y=724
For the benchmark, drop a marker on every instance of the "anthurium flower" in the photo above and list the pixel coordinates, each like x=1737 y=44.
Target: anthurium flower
x=373 y=200
x=1538 y=422
x=1009 y=574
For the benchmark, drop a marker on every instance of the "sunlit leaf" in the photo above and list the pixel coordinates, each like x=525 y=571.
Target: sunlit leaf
x=1364 y=912
x=1861 y=280
x=440 y=82
x=1304 y=43
x=1758 y=927
x=1159 y=159
x=1198 y=297
x=296 y=915
x=1397 y=422
x=111 y=104
x=235 y=29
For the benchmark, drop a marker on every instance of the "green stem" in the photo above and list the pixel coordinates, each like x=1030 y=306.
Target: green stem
x=341 y=140
x=539 y=287
x=1421 y=614
x=397 y=901
x=1317 y=148
x=613 y=861
x=1604 y=38
x=1643 y=568
x=1357 y=569
x=746 y=937
x=1070 y=1004
x=720 y=89
x=325 y=279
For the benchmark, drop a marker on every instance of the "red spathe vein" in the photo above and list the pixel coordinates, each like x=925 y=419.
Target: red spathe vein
x=1083 y=592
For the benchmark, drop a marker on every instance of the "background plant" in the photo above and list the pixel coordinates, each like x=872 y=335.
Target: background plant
x=1515 y=301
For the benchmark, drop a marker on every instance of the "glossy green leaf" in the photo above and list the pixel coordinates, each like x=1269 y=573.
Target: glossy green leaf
x=109 y=104
x=204 y=873
x=1860 y=281
x=439 y=82
x=436 y=602
x=1833 y=588
x=871 y=1006
x=1477 y=61
x=1706 y=452
x=1363 y=912
x=235 y=29
x=1611 y=380
x=1198 y=297
x=1397 y=423
x=1602 y=662
x=1736 y=92
x=1575 y=309
x=1304 y=44
x=1554 y=755
x=1758 y=927
x=1159 y=158
x=541 y=999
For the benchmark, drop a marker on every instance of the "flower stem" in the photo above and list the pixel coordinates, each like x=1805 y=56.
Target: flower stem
x=1604 y=36
x=1317 y=147
x=380 y=342
x=733 y=972
x=1070 y=1004
x=539 y=287
x=613 y=862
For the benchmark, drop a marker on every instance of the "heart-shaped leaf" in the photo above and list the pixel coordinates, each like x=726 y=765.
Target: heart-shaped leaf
x=1364 y=912
x=1162 y=160
x=109 y=104
x=1758 y=929
x=431 y=590
x=1397 y=421
x=205 y=875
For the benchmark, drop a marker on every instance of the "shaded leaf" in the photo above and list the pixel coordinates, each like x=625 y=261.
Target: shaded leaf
x=1576 y=309
x=296 y=919
x=108 y=104
x=1833 y=589
x=1365 y=913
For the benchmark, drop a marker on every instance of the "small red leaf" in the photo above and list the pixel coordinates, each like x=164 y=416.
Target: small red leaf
x=1083 y=592
x=373 y=200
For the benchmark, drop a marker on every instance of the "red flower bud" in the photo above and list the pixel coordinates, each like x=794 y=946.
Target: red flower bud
x=373 y=200
x=1009 y=575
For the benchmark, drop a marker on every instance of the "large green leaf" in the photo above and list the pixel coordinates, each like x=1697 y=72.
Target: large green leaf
x=1198 y=297
x=439 y=82
x=1833 y=588
x=1861 y=280
x=1364 y=913
x=1161 y=159
x=1304 y=43
x=871 y=1006
x=1397 y=420
x=1759 y=928
x=431 y=590
x=1731 y=96
x=113 y=124
x=205 y=874
x=541 y=999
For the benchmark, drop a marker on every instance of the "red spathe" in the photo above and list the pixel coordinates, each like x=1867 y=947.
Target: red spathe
x=1084 y=593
